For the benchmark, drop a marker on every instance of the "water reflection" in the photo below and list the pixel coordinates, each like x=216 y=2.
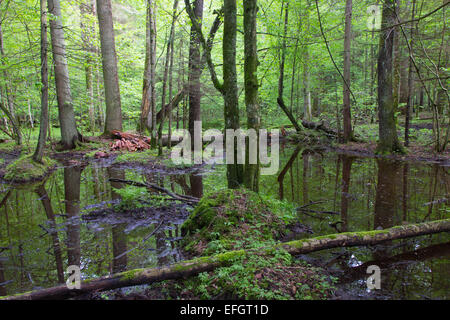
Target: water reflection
x=69 y=221
x=343 y=193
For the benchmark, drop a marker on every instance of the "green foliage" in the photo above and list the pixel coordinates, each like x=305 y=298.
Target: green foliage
x=136 y=197
x=231 y=219
x=274 y=275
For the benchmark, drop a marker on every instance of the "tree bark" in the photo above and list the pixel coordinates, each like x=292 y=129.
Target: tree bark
x=43 y=126
x=409 y=103
x=234 y=171
x=348 y=133
x=388 y=139
x=251 y=88
x=195 y=71
x=109 y=61
x=148 y=105
x=204 y=264
x=87 y=33
x=69 y=133
x=166 y=74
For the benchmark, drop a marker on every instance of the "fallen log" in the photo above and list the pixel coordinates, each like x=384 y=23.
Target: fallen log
x=320 y=127
x=289 y=114
x=204 y=264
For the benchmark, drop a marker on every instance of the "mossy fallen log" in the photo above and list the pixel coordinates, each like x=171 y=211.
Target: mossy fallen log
x=204 y=264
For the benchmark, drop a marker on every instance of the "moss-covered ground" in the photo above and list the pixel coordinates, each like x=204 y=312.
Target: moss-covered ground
x=25 y=169
x=240 y=220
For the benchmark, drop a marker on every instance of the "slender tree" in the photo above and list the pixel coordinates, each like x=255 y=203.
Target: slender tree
x=69 y=133
x=347 y=51
x=109 y=62
x=87 y=8
x=166 y=74
x=410 y=78
x=39 y=153
x=251 y=87
x=148 y=105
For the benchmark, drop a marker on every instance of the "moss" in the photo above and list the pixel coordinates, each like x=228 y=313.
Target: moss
x=230 y=219
x=9 y=146
x=26 y=169
x=130 y=275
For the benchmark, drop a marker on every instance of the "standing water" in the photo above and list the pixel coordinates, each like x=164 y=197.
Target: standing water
x=70 y=220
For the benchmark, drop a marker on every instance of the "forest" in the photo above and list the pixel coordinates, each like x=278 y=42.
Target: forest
x=224 y=150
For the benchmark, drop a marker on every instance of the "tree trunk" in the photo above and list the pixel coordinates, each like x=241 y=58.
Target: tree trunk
x=347 y=51
x=148 y=105
x=43 y=125
x=195 y=71
x=87 y=32
x=388 y=139
x=109 y=62
x=69 y=133
x=234 y=171
x=410 y=78
x=251 y=88
x=166 y=74
x=204 y=264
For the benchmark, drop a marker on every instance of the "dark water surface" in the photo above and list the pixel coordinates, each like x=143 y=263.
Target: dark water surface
x=68 y=221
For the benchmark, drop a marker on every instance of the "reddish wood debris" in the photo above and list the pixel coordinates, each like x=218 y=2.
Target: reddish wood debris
x=129 y=141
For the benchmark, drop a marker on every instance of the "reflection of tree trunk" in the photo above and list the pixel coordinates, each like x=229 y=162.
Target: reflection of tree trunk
x=285 y=169
x=346 y=170
x=405 y=192
x=305 y=178
x=54 y=234
x=338 y=168
x=119 y=238
x=196 y=185
x=386 y=198
x=72 y=177
x=161 y=246
x=433 y=186
x=2 y=280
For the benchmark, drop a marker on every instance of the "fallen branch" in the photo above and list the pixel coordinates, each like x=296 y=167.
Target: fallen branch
x=289 y=115
x=320 y=127
x=205 y=264
x=174 y=196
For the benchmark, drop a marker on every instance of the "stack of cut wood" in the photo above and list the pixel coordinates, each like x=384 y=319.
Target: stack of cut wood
x=130 y=142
